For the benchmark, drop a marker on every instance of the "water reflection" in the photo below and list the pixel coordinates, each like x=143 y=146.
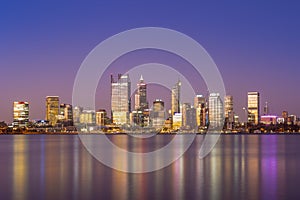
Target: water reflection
x=239 y=167
x=20 y=166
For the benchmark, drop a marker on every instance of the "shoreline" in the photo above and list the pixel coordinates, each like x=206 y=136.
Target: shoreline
x=132 y=134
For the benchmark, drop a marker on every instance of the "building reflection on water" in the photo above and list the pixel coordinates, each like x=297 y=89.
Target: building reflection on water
x=20 y=168
x=239 y=167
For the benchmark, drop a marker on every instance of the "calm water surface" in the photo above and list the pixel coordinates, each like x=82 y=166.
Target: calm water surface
x=239 y=167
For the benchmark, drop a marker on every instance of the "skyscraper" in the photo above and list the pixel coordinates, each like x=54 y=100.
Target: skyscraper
x=188 y=116
x=141 y=96
x=215 y=110
x=229 y=115
x=76 y=114
x=253 y=107
x=52 y=109
x=176 y=98
x=157 y=114
x=66 y=114
x=201 y=108
x=120 y=99
x=21 y=113
x=228 y=100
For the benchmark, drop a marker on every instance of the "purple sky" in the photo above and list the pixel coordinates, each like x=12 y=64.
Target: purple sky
x=255 y=46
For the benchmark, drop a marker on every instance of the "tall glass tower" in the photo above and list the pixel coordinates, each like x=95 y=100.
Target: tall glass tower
x=215 y=111
x=253 y=107
x=120 y=99
x=141 y=96
x=201 y=109
x=21 y=113
x=52 y=109
x=176 y=98
x=229 y=114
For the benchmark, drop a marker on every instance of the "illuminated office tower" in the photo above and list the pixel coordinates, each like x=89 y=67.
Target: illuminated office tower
x=52 y=109
x=66 y=114
x=229 y=115
x=253 y=107
x=228 y=101
x=201 y=108
x=157 y=114
x=120 y=99
x=141 y=96
x=176 y=98
x=215 y=111
x=76 y=114
x=21 y=113
x=188 y=116
x=87 y=117
x=101 y=117
x=66 y=111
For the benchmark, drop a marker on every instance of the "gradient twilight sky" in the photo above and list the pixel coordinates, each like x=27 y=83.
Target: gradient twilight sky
x=256 y=46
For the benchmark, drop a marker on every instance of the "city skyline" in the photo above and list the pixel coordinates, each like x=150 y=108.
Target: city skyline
x=121 y=98
x=39 y=45
x=150 y=100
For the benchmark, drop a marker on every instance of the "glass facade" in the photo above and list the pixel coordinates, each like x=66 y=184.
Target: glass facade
x=87 y=117
x=188 y=116
x=176 y=98
x=52 y=109
x=157 y=114
x=141 y=96
x=66 y=114
x=21 y=114
x=201 y=110
x=76 y=114
x=215 y=110
x=101 y=117
x=253 y=107
x=229 y=114
x=120 y=99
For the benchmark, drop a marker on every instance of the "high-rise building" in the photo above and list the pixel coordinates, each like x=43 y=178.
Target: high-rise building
x=120 y=99
x=66 y=114
x=136 y=118
x=201 y=110
x=66 y=111
x=101 y=117
x=52 y=109
x=253 y=107
x=229 y=115
x=21 y=113
x=176 y=98
x=188 y=116
x=228 y=100
x=216 y=111
x=141 y=96
x=157 y=115
x=76 y=114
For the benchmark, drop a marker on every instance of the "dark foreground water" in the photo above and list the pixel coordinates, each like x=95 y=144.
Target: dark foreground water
x=239 y=167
